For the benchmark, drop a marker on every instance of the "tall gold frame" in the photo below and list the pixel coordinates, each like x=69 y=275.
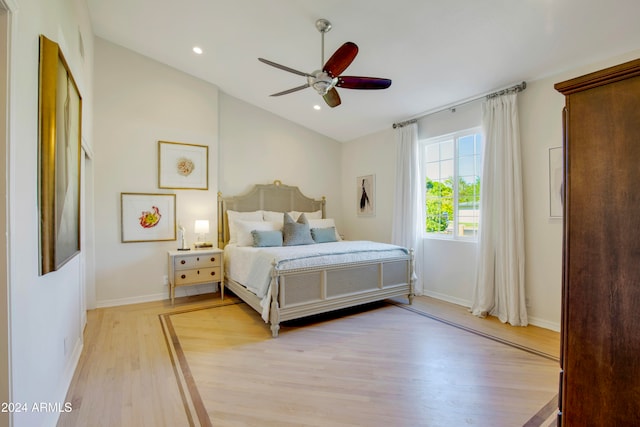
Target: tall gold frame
x=60 y=132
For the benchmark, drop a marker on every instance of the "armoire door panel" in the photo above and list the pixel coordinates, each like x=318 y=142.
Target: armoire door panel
x=600 y=363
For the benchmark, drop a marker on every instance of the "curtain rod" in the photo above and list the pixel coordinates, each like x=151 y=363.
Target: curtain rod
x=517 y=88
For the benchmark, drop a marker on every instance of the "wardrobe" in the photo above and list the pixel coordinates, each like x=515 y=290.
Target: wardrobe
x=600 y=325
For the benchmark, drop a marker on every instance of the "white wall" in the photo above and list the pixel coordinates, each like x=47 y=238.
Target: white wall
x=45 y=318
x=370 y=155
x=141 y=102
x=150 y=102
x=540 y=110
x=258 y=147
x=448 y=266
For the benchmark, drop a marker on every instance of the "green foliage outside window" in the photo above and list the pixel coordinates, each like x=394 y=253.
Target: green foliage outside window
x=439 y=201
x=468 y=194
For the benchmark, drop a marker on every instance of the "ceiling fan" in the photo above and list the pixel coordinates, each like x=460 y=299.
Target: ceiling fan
x=325 y=80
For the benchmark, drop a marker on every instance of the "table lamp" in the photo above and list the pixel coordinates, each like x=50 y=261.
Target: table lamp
x=201 y=228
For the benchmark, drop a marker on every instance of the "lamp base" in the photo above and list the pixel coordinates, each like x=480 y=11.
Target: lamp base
x=202 y=245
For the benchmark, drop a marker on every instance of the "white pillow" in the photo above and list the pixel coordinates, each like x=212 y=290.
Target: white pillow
x=244 y=229
x=273 y=216
x=310 y=215
x=324 y=223
x=234 y=216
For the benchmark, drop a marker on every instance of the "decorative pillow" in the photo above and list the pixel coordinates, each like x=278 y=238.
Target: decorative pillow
x=325 y=223
x=244 y=229
x=263 y=239
x=296 y=233
x=324 y=235
x=310 y=215
x=234 y=216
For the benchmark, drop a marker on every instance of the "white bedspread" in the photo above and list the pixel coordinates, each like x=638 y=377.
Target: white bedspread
x=251 y=266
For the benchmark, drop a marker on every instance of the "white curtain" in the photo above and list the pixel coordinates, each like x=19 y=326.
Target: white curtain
x=499 y=288
x=407 y=209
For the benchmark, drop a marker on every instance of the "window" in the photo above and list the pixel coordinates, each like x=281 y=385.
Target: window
x=452 y=167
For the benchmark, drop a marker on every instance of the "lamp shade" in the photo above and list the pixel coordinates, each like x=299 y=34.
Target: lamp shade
x=201 y=226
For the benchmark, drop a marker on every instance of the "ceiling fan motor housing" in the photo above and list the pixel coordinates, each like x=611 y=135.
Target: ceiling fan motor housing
x=322 y=82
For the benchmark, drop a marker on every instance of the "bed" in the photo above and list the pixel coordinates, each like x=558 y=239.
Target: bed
x=289 y=282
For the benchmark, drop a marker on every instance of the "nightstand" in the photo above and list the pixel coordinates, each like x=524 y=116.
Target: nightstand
x=194 y=267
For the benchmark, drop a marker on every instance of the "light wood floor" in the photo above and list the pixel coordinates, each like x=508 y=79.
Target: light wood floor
x=127 y=375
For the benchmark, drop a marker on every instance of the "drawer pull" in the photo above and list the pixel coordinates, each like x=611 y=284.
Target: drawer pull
x=198 y=271
x=198 y=259
x=183 y=262
x=183 y=276
x=213 y=273
x=213 y=259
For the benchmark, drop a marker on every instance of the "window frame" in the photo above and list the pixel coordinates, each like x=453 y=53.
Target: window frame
x=455 y=136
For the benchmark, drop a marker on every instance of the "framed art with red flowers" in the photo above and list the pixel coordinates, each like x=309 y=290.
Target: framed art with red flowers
x=183 y=166
x=148 y=217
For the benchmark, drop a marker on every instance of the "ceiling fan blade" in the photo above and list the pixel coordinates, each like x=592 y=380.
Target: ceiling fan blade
x=295 y=89
x=355 y=82
x=332 y=98
x=283 y=67
x=341 y=59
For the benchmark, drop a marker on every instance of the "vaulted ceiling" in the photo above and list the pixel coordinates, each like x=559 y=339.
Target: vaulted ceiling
x=436 y=52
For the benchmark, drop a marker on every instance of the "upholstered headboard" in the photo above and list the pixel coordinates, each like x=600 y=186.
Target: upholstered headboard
x=275 y=197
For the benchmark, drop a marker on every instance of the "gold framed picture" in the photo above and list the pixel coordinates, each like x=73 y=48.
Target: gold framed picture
x=60 y=134
x=183 y=166
x=147 y=217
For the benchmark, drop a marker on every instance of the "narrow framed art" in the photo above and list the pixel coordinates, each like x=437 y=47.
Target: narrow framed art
x=555 y=182
x=183 y=166
x=147 y=217
x=60 y=133
x=366 y=191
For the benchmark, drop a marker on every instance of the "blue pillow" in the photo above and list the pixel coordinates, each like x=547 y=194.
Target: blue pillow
x=263 y=239
x=296 y=233
x=324 y=235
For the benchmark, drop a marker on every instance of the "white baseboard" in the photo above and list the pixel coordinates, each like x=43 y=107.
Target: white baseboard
x=535 y=321
x=544 y=324
x=61 y=404
x=447 y=298
x=180 y=292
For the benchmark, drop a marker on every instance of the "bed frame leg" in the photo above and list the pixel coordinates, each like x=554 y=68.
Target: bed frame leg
x=412 y=277
x=274 y=319
x=274 y=315
x=275 y=327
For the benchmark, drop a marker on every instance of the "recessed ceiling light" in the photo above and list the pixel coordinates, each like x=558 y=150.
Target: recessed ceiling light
x=316 y=107
x=197 y=50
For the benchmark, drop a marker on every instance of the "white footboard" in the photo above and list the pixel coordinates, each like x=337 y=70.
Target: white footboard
x=308 y=291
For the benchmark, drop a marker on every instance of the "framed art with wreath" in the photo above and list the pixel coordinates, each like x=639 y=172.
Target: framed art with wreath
x=183 y=166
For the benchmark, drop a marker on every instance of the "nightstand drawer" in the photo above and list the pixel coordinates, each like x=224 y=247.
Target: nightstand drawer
x=186 y=262
x=198 y=275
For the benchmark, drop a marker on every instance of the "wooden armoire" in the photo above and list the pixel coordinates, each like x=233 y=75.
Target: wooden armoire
x=600 y=331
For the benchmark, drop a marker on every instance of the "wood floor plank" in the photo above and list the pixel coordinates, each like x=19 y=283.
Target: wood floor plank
x=326 y=371
x=341 y=361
